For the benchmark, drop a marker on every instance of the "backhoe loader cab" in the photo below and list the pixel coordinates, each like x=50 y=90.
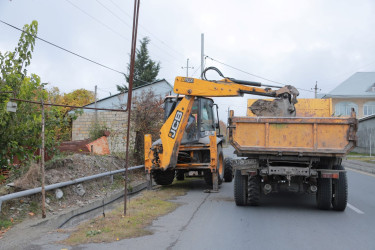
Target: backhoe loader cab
x=199 y=142
x=202 y=121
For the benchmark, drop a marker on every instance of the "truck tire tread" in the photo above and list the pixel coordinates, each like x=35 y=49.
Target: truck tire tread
x=240 y=188
x=228 y=170
x=324 y=193
x=254 y=190
x=340 y=191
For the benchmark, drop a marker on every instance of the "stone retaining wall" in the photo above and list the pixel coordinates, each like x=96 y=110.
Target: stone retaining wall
x=115 y=122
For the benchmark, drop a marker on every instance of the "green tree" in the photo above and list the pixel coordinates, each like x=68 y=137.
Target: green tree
x=17 y=129
x=145 y=69
x=20 y=131
x=78 y=97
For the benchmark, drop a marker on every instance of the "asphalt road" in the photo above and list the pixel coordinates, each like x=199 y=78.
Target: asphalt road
x=287 y=221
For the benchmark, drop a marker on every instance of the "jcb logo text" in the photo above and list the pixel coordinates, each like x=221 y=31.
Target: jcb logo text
x=175 y=124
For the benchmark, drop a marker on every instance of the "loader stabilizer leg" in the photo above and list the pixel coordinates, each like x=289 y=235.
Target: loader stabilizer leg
x=148 y=153
x=215 y=182
x=214 y=163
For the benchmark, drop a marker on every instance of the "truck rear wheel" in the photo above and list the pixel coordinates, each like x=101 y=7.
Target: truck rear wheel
x=240 y=188
x=324 y=193
x=228 y=170
x=163 y=177
x=340 y=191
x=254 y=190
x=180 y=175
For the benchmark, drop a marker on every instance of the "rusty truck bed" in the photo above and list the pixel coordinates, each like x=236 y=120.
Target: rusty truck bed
x=301 y=136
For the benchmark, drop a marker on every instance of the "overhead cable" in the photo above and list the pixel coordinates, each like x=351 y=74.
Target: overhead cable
x=143 y=27
x=97 y=20
x=66 y=50
x=206 y=56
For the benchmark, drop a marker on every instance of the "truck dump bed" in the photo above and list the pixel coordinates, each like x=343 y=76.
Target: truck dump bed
x=301 y=136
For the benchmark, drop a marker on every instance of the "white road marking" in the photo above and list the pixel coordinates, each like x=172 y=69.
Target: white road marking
x=360 y=172
x=355 y=209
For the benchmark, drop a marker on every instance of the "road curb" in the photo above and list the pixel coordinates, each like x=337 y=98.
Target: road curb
x=92 y=209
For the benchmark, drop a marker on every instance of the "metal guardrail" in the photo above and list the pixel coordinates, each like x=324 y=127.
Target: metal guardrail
x=61 y=184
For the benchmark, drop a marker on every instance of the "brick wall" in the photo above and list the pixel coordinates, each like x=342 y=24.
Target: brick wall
x=116 y=122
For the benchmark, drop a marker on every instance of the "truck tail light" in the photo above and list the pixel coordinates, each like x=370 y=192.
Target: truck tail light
x=330 y=175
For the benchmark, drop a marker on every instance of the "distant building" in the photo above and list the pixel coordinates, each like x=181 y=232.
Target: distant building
x=115 y=122
x=366 y=135
x=357 y=92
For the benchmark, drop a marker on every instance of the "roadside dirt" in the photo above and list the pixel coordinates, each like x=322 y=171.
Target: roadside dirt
x=67 y=168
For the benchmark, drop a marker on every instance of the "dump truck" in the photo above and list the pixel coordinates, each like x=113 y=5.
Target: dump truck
x=300 y=154
x=188 y=138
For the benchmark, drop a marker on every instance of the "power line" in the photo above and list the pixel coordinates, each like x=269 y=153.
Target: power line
x=196 y=71
x=114 y=14
x=244 y=71
x=97 y=20
x=161 y=41
x=123 y=21
x=253 y=74
x=114 y=31
x=66 y=50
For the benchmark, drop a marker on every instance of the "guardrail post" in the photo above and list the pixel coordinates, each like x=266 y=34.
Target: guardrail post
x=149 y=181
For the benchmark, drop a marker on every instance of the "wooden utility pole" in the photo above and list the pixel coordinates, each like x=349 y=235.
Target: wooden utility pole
x=42 y=165
x=130 y=91
x=187 y=68
x=96 y=111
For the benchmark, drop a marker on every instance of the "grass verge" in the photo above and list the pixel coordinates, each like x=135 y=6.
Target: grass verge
x=141 y=211
x=361 y=157
x=367 y=159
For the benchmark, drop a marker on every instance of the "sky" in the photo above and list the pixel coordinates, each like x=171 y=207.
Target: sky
x=296 y=42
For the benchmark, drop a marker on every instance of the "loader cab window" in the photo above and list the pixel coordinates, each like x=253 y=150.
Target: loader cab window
x=191 y=130
x=207 y=116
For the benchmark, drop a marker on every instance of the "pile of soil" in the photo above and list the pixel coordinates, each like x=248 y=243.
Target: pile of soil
x=74 y=196
x=68 y=168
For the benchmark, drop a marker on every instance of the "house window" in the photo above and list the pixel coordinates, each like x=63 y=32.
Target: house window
x=345 y=108
x=369 y=108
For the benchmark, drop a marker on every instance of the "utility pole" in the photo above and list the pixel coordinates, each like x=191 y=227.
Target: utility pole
x=187 y=68
x=202 y=53
x=316 y=89
x=96 y=111
x=130 y=92
x=42 y=163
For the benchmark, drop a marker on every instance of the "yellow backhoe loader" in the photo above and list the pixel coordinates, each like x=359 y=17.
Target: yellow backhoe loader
x=188 y=139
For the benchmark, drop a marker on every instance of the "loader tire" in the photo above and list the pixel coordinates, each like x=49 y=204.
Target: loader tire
x=180 y=175
x=324 y=193
x=228 y=170
x=220 y=168
x=240 y=188
x=163 y=177
x=340 y=191
x=254 y=190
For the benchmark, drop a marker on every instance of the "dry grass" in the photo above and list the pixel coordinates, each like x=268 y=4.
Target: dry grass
x=142 y=210
x=367 y=159
x=31 y=179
